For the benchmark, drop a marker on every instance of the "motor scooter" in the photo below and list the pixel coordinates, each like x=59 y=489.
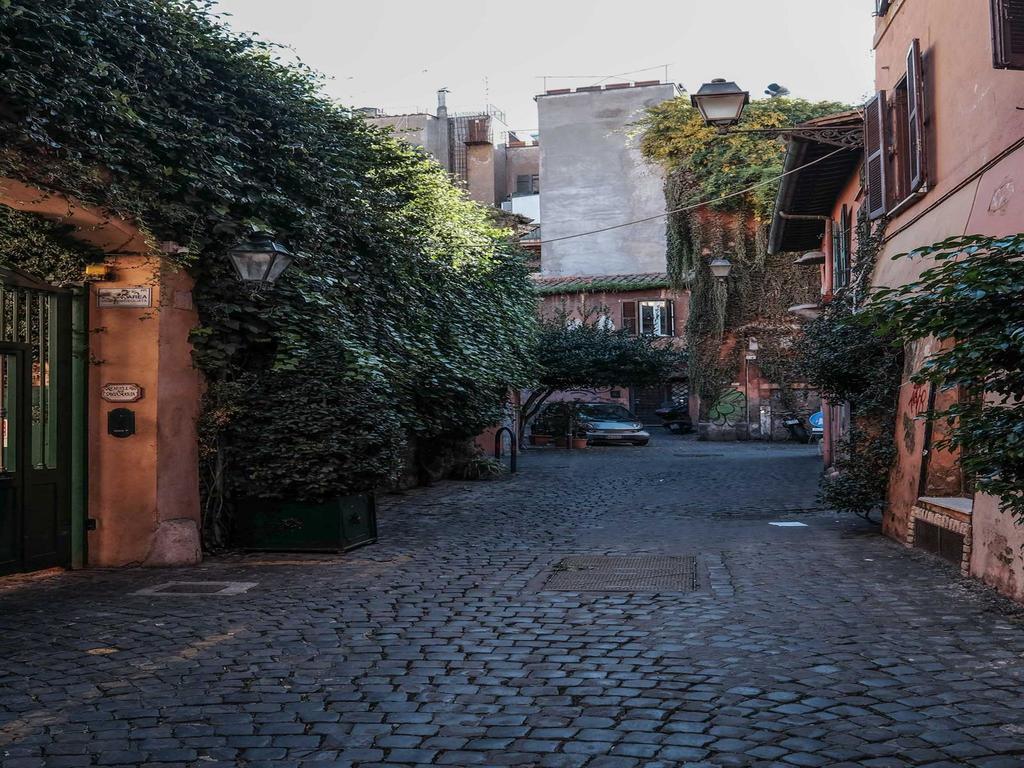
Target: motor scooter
x=794 y=424
x=676 y=418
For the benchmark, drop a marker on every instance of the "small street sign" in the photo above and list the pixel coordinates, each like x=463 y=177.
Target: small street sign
x=124 y=296
x=121 y=393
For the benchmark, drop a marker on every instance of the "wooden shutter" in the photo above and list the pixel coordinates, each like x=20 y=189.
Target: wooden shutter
x=1008 y=34
x=629 y=319
x=875 y=144
x=670 y=318
x=915 y=117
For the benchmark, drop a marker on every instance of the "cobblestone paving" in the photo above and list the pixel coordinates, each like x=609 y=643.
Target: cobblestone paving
x=824 y=645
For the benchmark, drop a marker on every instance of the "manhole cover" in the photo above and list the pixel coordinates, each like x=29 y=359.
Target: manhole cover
x=698 y=455
x=198 y=588
x=624 y=573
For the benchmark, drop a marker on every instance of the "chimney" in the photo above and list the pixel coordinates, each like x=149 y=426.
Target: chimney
x=442 y=106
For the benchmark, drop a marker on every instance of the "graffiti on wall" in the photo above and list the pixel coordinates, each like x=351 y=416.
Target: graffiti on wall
x=729 y=409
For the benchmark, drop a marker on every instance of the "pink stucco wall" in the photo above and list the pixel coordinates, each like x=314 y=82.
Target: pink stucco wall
x=973 y=118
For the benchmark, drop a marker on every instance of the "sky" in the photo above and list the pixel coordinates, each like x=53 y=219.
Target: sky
x=396 y=55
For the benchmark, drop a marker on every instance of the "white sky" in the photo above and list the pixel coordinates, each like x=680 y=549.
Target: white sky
x=397 y=54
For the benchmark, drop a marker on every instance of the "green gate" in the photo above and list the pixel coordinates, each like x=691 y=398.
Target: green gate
x=35 y=424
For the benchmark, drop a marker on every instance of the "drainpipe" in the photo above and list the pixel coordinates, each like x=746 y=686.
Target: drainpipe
x=826 y=248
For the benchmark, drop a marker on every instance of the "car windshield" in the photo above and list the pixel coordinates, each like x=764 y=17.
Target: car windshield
x=605 y=412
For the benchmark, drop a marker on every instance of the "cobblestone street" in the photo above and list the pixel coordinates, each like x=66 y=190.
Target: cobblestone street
x=824 y=645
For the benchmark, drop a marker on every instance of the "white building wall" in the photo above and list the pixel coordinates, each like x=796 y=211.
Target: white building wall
x=593 y=176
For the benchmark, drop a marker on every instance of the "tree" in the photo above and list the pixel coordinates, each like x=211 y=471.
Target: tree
x=584 y=354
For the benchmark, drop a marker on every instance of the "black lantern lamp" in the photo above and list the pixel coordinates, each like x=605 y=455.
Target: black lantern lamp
x=720 y=102
x=259 y=258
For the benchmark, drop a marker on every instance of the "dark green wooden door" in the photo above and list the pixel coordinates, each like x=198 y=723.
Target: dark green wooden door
x=35 y=350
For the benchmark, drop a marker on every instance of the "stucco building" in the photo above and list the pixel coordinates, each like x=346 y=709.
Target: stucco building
x=593 y=176
x=943 y=156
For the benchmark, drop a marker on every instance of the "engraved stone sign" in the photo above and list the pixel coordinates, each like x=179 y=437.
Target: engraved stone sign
x=124 y=296
x=121 y=393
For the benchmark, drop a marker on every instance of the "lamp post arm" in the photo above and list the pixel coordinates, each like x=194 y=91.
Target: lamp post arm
x=848 y=137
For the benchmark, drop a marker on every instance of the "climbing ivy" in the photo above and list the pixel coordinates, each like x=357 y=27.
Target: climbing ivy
x=848 y=356
x=408 y=314
x=702 y=164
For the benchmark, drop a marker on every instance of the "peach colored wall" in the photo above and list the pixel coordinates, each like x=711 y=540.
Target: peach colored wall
x=144 y=489
x=973 y=117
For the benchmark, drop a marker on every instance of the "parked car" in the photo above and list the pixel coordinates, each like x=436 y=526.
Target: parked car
x=597 y=422
x=676 y=418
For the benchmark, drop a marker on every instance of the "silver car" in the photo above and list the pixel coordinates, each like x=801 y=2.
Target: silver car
x=609 y=423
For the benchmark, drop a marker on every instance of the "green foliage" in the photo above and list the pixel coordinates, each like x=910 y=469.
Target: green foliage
x=408 y=312
x=860 y=478
x=970 y=302
x=848 y=357
x=703 y=164
x=42 y=248
x=719 y=164
x=583 y=354
x=478 y=468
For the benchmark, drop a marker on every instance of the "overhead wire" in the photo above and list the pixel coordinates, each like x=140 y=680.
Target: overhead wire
x=692 y=206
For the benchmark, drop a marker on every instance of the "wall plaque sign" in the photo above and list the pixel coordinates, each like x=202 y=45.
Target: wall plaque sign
x=121 y=393
x=125 y=296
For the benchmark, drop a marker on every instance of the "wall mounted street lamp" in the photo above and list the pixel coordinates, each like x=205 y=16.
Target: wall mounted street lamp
x=259 y=259
x=720 y=268
x=721 y=104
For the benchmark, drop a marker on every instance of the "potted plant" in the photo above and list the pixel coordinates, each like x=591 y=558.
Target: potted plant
x=539 y=438
x=336 y=525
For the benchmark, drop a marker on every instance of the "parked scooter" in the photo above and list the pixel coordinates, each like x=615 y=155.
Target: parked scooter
x=798 y=431
x=676 y=418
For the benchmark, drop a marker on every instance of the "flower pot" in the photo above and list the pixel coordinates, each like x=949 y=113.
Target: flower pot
x=336 y=525
x=541 y=439
x=579 y=442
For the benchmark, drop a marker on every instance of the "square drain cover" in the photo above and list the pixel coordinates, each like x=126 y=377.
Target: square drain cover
x=625 y=573
x=198 y=588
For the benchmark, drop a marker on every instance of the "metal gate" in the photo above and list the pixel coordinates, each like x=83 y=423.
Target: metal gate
x=35 y=423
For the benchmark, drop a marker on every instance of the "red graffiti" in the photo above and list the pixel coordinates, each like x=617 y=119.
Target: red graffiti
x=918 y=400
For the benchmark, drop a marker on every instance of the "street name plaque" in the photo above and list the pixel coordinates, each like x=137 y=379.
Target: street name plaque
x=121 y=393
x=125 y=296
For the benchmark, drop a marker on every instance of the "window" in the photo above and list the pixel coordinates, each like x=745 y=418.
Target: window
x=527 y=184
x=842 y=236
x=1008 y=34
x=895 y=147
x=654 y=317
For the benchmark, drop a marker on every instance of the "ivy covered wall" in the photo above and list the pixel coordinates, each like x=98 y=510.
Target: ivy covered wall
x=704 y=165
x=409 y=312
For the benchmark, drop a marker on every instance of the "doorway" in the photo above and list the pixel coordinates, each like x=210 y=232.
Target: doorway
x=35 y=347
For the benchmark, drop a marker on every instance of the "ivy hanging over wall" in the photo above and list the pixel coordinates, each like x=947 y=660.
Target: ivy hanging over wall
x=970 y=303
x=702 y=164
x=409 y=313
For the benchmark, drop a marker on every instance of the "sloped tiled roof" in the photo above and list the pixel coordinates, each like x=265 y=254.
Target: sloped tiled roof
x=547 y=285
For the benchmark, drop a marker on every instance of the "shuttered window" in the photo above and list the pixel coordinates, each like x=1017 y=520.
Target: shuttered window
x=917 y=159
x=1008 y=34
x=629 y=319
x=841 y=246
x=875 y=144
x=657 y=318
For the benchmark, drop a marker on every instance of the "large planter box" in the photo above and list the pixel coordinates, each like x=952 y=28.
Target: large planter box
x=288 y=526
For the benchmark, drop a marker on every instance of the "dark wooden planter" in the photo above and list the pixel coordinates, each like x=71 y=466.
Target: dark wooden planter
x=272 y=525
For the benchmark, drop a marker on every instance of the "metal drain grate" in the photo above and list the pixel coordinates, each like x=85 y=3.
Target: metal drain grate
x=624 y=573
x=198 y=588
